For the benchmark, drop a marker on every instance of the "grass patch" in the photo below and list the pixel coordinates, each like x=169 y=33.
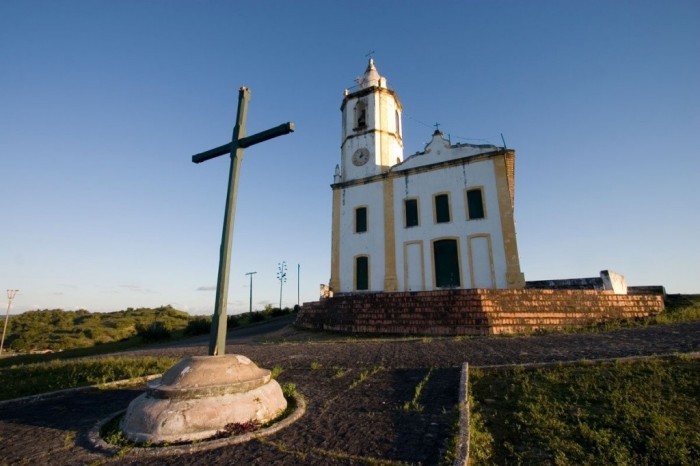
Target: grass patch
x=364 y=375
x=276 y=371
x=339 y=372
x=414 y=405
x=642 y=412
x=32 y=379
x=680 y=308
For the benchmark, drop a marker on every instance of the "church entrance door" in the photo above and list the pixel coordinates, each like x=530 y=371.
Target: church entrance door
x=446 y=260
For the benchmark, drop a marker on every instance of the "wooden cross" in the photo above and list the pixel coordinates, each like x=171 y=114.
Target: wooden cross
x=217 y=339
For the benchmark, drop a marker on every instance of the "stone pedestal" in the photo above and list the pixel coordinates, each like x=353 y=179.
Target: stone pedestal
x=199 y=396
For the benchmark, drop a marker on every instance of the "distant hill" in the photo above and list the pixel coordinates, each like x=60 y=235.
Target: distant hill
x=56 y=329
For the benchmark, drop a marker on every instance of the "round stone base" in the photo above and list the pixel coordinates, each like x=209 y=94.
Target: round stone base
x=199 y=396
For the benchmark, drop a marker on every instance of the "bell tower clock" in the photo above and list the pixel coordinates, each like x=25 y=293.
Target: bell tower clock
x=371 y=124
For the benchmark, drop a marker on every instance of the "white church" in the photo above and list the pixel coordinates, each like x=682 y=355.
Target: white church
x=438 y=219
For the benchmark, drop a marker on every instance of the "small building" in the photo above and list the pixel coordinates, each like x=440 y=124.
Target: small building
x=439 y=219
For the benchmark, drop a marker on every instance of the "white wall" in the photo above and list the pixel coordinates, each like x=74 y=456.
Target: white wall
x=370 y=243
x=455 y=181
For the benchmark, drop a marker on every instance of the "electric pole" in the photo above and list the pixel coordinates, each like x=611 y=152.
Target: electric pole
x=10 y=296
x=282 y=277
x=298 y=282
x=250 y=309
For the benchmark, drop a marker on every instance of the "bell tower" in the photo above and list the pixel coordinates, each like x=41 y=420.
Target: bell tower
x=371 y=129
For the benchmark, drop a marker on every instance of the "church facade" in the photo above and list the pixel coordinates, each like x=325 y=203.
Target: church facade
x=438 y=219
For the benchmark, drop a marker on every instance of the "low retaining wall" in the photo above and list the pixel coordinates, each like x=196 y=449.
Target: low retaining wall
x=473 y=311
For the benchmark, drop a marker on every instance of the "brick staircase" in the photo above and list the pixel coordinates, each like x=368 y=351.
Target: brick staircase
x=472 y=311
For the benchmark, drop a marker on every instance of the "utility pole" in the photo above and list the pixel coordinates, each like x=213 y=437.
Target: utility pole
x=250 y=309
x=282 y=277
x=10 y=296
x=298 y=282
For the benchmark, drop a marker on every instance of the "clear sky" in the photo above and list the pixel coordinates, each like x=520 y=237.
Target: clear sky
x=103 y=103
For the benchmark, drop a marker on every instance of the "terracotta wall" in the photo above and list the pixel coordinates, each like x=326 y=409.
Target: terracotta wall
x=472 y=312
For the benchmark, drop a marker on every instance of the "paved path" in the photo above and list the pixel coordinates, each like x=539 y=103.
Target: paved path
x=344 y=424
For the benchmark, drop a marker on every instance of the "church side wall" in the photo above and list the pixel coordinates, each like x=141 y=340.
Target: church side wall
x=369 y=243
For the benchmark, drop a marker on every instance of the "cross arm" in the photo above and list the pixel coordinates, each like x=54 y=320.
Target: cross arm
x=262 y=136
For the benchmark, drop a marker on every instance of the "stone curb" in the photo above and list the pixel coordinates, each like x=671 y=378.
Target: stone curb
x=462 y=456
x=692 y=355
x=101 y=446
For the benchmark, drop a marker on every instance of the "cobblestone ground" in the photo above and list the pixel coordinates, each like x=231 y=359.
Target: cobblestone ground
x=351 y=418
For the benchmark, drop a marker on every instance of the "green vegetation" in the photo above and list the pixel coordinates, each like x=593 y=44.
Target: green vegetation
x=642 y=412
x=56 y=330
x=52 y=330
x=339 y=372
x=364 y=375
x=290 y=390
x=414 y=405
x=247 y=318
x=680 y=308
x=31 y=379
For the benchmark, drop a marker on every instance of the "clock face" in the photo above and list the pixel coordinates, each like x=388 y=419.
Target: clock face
x=360 y=157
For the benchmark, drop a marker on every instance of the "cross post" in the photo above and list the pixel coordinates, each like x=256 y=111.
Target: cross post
x=217 y=340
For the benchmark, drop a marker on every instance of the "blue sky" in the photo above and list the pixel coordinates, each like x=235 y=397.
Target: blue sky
x=103 y=103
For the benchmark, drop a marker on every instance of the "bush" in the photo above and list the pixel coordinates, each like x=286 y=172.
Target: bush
x=277 y=312
x=234 y=321
x=157 y=331
x=198 y=326
x=257 y=317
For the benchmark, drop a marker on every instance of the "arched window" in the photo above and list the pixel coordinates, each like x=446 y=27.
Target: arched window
x=360 y=115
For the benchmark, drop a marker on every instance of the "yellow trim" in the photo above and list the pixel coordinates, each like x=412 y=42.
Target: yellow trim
x=405 y=264
x=505 y=174
x=449 y=208
x=390 y=280
x=335 y=243
x=457 y=240
x=471 y=259
x=422 y=169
